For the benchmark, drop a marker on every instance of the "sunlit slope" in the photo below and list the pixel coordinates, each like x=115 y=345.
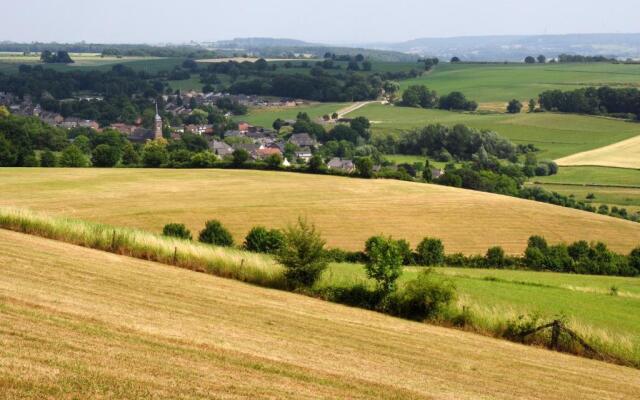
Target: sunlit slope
x=76 y=322
x=346 y=210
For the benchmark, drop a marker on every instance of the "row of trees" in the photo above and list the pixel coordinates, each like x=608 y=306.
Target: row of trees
x=591 y=100
x=421 y=96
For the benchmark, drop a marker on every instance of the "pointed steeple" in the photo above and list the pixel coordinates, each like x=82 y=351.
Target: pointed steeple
x=157 y=132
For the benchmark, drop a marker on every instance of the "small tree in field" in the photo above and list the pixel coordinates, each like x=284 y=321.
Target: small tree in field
x=514 y=107
x=215 y=233
x=495 y=257
x=302 y=254
x=532 y=105
x=262 y=240
x=430 y=251
x=176 y=230
x=384 y=262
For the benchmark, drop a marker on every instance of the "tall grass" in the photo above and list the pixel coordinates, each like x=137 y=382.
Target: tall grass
x=220 y=261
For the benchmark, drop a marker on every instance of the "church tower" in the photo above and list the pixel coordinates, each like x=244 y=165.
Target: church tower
x=157 y=128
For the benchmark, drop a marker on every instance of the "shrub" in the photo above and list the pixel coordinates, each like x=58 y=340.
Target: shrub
x=514 y=107
x=154 y=154
x=422 y=298
x=358 y=295
x=634 y=261
x=384 y=262
x=430 y=251
x=72 y=156
x=262 y=240
x=176 y=230
x=302 y=254
x=495 y=257
x=215 y=233
x=105 y=156
x=340 y=256
x=240 y=156
x=48 y=159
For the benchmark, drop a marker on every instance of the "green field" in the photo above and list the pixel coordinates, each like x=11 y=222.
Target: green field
x=557 y=135
x=193 y=83
x=264 y=116
x=494 y=295
x=612 y=186
x=498 y=83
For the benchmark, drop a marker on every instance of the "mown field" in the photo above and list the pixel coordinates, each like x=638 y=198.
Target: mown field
x=346 y=210
x=9 y=62
x=84 y=323
x=499 y=83
x=624 y=154
x=557 y=135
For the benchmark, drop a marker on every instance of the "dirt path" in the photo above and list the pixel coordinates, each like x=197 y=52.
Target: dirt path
x=354 y=106
x=624 y=154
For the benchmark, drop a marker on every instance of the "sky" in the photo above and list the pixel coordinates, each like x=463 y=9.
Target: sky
x=325 y=21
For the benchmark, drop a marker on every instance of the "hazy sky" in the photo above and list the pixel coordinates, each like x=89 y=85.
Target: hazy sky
x=345 y=21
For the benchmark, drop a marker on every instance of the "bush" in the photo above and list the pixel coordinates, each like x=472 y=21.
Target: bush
x=261 y=240
x=430 y=251
x=176 y=230
x=105 y=156
x=154 y=154
x=215 y=233
x=422 y=298
x=302 y=255
x=48 y=159
x=495 y=257
x=73 y=157
x=358 y=295
x=634 y=261
x=384 y=262
x=340 y=256
x=514 y=107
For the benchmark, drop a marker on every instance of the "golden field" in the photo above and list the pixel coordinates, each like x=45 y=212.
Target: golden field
x=80 y=323
x=624 y=154
x=346 y=210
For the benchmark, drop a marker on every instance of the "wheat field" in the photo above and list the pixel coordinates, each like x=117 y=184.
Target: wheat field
x=347 y=211
x=81 y=323
x=624 y=154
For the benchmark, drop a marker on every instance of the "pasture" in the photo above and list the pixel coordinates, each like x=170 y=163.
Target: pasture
x=264 y=116
x=557 y=135
x=498 y=83
x=9 y=62
x=80 y=322
x=346 y=210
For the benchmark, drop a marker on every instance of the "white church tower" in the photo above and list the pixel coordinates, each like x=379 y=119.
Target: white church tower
x=157 y=129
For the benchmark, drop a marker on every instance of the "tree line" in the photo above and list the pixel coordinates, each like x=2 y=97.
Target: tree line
x=421 y=96
x=622 y=102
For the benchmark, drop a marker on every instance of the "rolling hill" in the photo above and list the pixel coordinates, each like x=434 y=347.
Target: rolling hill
x=76 y=322
x=347 y=211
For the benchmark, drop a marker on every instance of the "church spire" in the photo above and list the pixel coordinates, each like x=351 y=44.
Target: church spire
x=157 y=132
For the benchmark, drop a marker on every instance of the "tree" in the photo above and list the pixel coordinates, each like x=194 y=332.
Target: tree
x=542 y=59
x=419 y=96
x=530 y=60
x=73 y=157
x=430 y=251
x=334 y=115
x=316 y=164
x=130 y=156
x=455 y=59
x=495 y=257
x=359 y=58
x=273 y=161
x=154 y=154
x=240 y=156
x=514 y=107
x=366 y=65
x=261 y=240
x=8 y=156
x=634 y=261
x=177 y=230
x=427 y=174
x=532 y=105
x=364 y=167
x=48 y=159
x=278 y=124
x=105 y=156
x=384 y=262
x=215 y=233
x=83 y=143
x=303 y=254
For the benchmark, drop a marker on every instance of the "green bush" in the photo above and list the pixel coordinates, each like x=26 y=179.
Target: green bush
x=303 y=254
x=105 y=156
x=495 y=257
x=72 y=156
x=422 y=298
x=261 y=240
x=430 y=251
x=215 y=233
x=48 y=159
x=176 y=230
x=384 y=262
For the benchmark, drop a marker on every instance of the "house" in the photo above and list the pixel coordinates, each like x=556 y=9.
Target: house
x=266 y=152
x=125 y=129
x=70 y=123
x=199 y=129
x=234 y=134
x=244 y=126
x=302 y=140
x=250 y=148
x=436 y=173
x=51 y=118
x=220 y=148
x=141 y=135
x=276 y=145
x=304 y=154
x=341 y=164
x=87 y=123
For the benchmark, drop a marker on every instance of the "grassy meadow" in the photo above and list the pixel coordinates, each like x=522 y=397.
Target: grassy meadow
x=264 y=116
x=498 y=83
x=346 y=210
x=557 y=135
x=131 y=328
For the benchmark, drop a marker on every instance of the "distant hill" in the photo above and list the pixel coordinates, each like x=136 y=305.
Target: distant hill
x=515 y=48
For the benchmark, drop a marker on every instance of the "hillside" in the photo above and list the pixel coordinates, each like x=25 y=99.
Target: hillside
x=80 y=322
x=346 y=210
x=624 y=154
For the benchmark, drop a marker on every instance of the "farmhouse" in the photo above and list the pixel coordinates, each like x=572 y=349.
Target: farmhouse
x=341 y=164
x=302 y=140
x=220 y=148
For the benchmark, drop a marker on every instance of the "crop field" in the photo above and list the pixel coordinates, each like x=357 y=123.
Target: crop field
x=264 y=116
x=80 y=322
x=613 y=186
x=624 y=154
x=346 y=210
x=557 y=135
x=498 y=83
x=9 y=62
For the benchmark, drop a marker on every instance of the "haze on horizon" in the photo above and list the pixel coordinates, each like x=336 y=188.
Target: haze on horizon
x=326 y=21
